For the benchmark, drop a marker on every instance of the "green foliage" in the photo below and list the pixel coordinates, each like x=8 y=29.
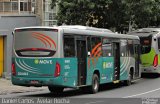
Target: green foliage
x=143 y=12
x=112 y=14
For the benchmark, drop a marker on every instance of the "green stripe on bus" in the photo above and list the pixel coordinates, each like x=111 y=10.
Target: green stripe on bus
x=147 y=59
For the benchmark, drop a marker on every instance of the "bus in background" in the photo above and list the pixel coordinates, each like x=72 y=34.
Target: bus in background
x=73 y=56
x=150 y=49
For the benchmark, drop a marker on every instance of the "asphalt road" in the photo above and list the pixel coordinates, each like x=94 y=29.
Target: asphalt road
x=144 y=88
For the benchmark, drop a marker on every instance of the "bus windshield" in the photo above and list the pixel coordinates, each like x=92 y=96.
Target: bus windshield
x=35 y=42
x=146 y=44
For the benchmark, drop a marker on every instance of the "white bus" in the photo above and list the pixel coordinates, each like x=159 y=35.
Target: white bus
x=73 y=56
x=150 y=49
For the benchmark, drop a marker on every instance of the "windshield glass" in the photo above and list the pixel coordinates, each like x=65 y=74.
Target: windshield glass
x=146 y=44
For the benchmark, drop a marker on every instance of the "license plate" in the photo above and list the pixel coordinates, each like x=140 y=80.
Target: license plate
x=34 y=82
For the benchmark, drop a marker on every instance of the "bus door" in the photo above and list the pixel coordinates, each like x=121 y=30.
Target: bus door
x=81 y=55
x=116 y=52
x=137 y=59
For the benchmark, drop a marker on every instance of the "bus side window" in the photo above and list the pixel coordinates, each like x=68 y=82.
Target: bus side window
x=106 y=47
x=123 y=47
x=130 y=48
x=96 y=44
x=69 y=46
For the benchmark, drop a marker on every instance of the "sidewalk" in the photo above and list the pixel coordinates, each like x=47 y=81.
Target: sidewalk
x=6 y=87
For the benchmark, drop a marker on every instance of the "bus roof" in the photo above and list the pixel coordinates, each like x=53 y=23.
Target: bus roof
x=85 y=30
x=145 y=32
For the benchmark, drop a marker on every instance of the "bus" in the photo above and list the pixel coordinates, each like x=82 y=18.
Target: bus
x=73 y=57
x=150 y=49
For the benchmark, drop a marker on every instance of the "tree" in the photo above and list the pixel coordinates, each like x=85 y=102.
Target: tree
x=143 y=13
x=111 y=14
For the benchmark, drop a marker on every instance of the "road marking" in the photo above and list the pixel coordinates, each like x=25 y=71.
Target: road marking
x=136 y=80
x=95 y=102
x=142 y=93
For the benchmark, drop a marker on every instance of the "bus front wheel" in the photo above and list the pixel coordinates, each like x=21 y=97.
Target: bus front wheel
x=95 y=84
x=55 y=90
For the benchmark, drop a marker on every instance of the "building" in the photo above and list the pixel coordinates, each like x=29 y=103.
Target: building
x=46 y=13
x=17 y=6
x=20 y=13
x=13 y=13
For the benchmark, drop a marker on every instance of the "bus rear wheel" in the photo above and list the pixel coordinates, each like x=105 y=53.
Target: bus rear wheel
x=55 y=90
x=95 y=84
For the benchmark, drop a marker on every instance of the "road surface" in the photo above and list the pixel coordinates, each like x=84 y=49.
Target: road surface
x=142 y=88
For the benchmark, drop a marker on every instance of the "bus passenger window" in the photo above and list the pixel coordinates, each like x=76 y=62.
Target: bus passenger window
x=123 y=48
x=107 y=48
x=96 y=47
x=130 y=48
x=69 y=47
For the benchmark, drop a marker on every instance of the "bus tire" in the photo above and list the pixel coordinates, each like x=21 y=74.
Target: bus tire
x=95 y=84
x=129 y=81
x=55 y=90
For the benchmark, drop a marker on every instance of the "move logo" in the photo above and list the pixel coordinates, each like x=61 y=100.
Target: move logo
x=43 y=61
x=107 y=65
